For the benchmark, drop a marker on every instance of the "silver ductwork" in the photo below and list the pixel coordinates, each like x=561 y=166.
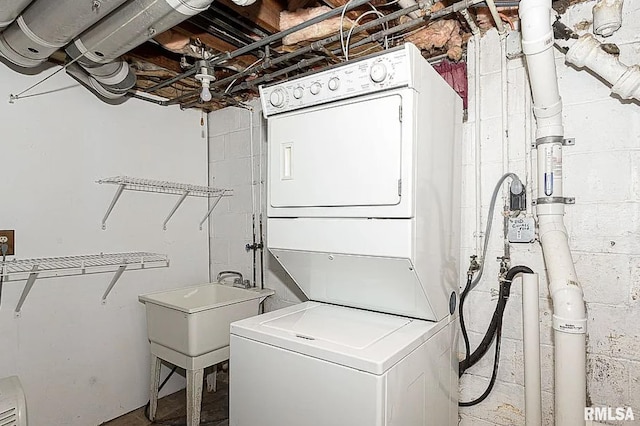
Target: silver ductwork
x=48 y=25
x=126 y=28
x=10 y=9
x=130 y=26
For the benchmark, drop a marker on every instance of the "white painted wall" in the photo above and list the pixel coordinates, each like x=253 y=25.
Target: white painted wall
x=603 y=172
x=82 y=363
x=230 y=162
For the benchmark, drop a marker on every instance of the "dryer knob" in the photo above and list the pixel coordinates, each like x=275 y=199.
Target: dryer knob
x=378 y=72
x=277 y=98
x=298 y=92
x=315 y=88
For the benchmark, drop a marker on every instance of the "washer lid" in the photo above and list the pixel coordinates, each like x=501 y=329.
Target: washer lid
x=367 y=341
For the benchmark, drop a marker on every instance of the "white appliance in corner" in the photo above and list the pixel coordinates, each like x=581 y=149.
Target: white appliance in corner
x=13 y=406
x=363 y=213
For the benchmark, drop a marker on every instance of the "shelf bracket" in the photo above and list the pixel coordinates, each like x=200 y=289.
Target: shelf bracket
x=184 y=195
x=113 y=282
x=213 y=206
x=113 y=204
x=27 y=288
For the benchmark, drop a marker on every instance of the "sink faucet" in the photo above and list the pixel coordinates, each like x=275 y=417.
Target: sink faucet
x=239 y=281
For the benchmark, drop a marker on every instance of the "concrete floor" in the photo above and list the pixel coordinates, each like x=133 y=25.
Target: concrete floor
x=172 y=409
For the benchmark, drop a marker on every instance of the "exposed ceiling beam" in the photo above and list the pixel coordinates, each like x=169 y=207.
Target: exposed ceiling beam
x=213 y=42
x=265 y=13
x=155 y=55
x=293 y=5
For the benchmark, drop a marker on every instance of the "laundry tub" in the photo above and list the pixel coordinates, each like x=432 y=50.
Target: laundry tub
x=189 y=327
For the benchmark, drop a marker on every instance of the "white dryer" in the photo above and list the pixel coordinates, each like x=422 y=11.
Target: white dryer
x=363 y=213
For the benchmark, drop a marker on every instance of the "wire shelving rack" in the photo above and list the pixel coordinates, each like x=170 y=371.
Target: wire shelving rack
x=50 y=267
x=184 y=190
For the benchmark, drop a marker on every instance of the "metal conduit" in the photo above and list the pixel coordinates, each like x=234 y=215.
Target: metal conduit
x=258 y=44
x=315 y=46
x=373 y=37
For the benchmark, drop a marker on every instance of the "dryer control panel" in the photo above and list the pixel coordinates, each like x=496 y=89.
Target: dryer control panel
x=384 y=71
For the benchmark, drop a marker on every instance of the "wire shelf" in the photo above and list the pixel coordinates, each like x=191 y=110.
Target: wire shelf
x=49 y=267
x=163 y=187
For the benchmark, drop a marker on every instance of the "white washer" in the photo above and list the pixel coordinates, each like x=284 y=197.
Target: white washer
x=363 y=213
x=316 y=364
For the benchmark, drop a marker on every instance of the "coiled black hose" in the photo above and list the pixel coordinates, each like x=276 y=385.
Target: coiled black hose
x=494 y=331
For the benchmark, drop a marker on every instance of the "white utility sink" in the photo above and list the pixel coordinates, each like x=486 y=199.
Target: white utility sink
x=195 y=320
x=189 y=327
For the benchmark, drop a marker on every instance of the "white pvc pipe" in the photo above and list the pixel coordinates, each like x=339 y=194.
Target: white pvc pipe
x=504 y=81
x=607 y=17
x=531 y=345
x=537 y=44
x=587 y=52
x=477 y=147
x=569 y=315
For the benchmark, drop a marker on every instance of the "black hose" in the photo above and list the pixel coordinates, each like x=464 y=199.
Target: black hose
x=463 y=327
x=494 y=374
x=485 y=344
x=494 y=331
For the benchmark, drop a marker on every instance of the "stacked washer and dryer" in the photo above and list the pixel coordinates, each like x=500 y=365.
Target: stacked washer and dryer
x=364 y=214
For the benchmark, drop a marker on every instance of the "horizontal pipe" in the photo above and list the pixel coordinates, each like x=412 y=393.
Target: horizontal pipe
x=48 y=25
x=263 y=42
x=315 y=46
x=319 y=44
x=10 y=9
x=586 y=52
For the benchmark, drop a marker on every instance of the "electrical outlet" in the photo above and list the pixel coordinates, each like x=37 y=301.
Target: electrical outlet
x=8 y=238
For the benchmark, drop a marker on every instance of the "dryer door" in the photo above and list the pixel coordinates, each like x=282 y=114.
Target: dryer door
x=337 y=155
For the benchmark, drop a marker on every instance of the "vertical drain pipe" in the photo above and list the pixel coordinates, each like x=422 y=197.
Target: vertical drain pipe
x=531 y=350
x=569 y=315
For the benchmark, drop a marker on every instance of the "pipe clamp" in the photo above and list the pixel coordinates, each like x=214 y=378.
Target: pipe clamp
x=554 y=200
x=554 y=139
x=531 y=47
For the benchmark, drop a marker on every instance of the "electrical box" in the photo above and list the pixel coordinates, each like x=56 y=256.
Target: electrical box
x=8 y=237
x=521 y=230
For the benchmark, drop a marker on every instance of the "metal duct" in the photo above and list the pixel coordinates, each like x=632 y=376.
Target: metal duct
x=79 y=74
x=10 y=9
x=128 y=27
x=48 y=25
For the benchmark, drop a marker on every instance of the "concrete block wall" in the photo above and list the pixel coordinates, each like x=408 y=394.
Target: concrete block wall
x=231 y=134
x=603 y=172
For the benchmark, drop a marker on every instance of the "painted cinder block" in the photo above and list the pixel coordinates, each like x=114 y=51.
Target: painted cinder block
x=238 y=144
x=607 y=381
